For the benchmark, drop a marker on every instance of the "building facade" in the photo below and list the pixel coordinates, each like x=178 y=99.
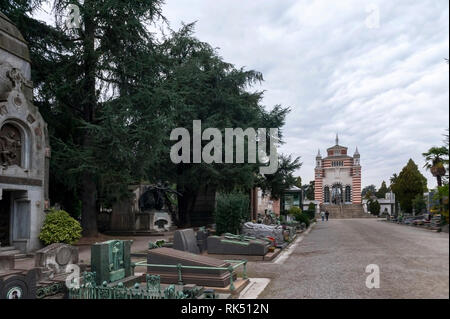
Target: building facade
x=338 y=176
x=24 y=146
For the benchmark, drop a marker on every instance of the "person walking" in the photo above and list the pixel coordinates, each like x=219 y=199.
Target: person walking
x=322 y=214
x=327 y=215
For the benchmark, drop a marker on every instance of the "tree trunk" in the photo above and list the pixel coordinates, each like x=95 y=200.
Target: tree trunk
x=89 y=202
x=439 y=180
x=186 y=204
x=89 y=184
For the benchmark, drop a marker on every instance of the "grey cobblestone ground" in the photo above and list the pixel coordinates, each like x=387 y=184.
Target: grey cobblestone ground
x=330 y=263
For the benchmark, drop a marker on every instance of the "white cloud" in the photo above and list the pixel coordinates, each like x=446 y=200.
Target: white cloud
x=384 y=90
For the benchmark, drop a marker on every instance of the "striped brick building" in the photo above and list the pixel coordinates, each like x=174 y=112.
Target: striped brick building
x=338 y=176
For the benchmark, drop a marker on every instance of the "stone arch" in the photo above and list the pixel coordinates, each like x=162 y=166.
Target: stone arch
x=15 y=143
x=337 y=193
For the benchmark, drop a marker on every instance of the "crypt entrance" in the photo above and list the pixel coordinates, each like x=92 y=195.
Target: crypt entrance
x=337 y=194
x=14 y=218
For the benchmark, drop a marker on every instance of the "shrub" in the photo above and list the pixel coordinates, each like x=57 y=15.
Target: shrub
x=232 y=209
x=374 y=207
x=299 y=216
x=59 y=227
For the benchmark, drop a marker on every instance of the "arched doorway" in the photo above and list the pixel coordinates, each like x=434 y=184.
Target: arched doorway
x=337 y=194
x=5 y=219
x=11 y=143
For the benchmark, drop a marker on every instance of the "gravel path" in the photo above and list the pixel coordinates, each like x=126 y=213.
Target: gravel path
x=330 y=263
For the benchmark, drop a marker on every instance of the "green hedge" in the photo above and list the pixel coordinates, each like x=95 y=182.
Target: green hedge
x=231 y=211
x=299 y=216
x=59 y=227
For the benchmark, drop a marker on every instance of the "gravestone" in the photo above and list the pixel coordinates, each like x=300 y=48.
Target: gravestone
x=111 y=260
x=201 y=277
x=262 y=231
x=18 y=284
x=53 y=259
x=232 y=246
x=185 y=240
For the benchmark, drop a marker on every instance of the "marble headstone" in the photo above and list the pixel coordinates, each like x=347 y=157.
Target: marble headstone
x=185 y=240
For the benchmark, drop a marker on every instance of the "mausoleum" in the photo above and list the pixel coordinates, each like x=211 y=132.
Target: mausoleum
x=24 y=146
x=338 y=182
x=338 y=176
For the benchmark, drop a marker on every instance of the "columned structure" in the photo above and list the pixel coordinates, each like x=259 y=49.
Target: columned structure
x=338 y=176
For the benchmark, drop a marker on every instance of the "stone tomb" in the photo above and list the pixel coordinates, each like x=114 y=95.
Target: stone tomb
x=201 y=277
x=53 y=260
x=234 y=245
x=185 y=240
x=111 y=261
x=262 y=231
x=24 y=146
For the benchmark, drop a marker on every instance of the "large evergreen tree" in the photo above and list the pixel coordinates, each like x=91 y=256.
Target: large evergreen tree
x=83 y=76
x=409 y=183
x=383 y=190
x=111 y=95
x=205 y=87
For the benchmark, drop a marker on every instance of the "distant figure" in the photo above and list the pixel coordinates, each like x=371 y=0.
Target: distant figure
x=327 y=214
x=322 y=214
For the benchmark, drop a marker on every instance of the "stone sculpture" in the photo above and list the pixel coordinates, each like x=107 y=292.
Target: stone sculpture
x=53 y=260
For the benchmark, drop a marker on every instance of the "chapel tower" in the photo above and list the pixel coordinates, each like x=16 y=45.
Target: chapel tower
x=338 y=176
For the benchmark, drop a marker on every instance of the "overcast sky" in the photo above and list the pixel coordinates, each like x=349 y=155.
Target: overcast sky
x=382 y=84
x=372 y=71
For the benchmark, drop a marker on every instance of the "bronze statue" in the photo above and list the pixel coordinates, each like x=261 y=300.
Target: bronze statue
x=157 y=197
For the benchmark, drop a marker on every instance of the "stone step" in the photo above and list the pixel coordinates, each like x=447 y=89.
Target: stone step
x=11 y=253
x=7 y=248
x=20 y=256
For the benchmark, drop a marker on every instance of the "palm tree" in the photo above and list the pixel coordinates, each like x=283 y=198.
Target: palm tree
x=393 y=179
x=436 y=158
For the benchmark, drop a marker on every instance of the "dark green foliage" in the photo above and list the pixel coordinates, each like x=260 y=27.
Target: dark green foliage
x=111 y=94
x=59 y=227
x=309 y=190
x=419 y=204
x=231 y=211
x=437 y=162
x=374 y=207
x=442 y=195
x=283 y=179
x=299 y=216
x=407 y=185
x=368 y=191
x=382 y=191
